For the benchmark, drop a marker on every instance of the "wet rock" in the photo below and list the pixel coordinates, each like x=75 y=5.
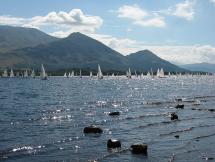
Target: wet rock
x=139 y=148
x=176 y=136
x=116 y=113
x=179 y=106
x=93 y=129
x=113 y=143
x=211 y=110
x=174 y=116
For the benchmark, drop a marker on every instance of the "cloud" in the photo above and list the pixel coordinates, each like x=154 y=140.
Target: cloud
x=140 y=16
x=185 y=54
x=212 y=1
x=178 y=54
x=185 y=10
x=74 y=19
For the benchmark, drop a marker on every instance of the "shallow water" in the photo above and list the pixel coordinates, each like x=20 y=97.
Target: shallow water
x=44 y=120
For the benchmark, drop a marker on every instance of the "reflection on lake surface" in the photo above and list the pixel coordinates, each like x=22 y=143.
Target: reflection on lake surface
x=44 y=120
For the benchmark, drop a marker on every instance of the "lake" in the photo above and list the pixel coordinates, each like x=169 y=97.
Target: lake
x=44 y=120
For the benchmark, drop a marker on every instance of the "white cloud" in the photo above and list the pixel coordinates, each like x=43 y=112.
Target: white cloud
x=185 y=10
x=140 y=16
x=185 y=54
x=75 y=19
x=212 y=1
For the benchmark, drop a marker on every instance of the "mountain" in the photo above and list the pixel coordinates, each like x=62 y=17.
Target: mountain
x=205 y=67
x=19 y=37
x=29 y=48
x=145 y=60
x=75 y=51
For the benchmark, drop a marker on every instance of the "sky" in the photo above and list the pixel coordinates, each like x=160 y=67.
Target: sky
x=180 y=31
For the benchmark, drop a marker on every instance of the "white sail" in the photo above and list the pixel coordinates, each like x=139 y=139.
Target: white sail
x=158 y=72
x=80 y=74
x=141 y=75
x=33 y=74
x=5 y=74
x=100 y=76
x=11 y=73
x=26 y=73
x=91 y=74
x=69 y=75
x=112 y=74
x=72 y=74
x=161 y=74
x=129 y=73
x=169 y=74
x=148 y=74
x=43 y=74
x=65 y=75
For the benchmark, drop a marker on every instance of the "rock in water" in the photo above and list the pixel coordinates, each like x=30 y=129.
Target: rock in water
x=176 y=136
x=93 y=129
x=139 y=148
x=113 y=143
x=117 y=113
x=179 y=106
x=174 y=116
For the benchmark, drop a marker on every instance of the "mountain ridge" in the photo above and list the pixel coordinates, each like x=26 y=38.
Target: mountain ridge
x=81 y=51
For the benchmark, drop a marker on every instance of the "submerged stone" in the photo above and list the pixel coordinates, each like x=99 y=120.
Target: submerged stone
x=113 y=143
x=139 y=148
x=116 y=113
x=179 y=106
x=93 y=129
x=174 y=116
x=176 y=136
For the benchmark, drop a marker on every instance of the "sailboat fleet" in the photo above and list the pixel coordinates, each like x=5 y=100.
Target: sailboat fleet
x=25 y=74
x=43 y=75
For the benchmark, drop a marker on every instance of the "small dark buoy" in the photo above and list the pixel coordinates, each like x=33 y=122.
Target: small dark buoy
x=92 y=129
x=139 y=148
x=211 y=110
x=113 y=143
x=179 y=106
x=176 y=136
x=116 y=113
x=174 y=116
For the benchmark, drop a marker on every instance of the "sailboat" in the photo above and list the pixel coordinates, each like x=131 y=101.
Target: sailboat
x=33 y=74
x=161 y=75
x=26 y=73
x=69 y=75
x=72 y=74
x=80 y=75
x=100 y=76
x=152 y=73
x=5 y=74
x=112 y=74
x=11 y=73
x=158 y=72
x=43 y=74
x=148 y=74
x=91 y=74
x=129 y=73
x=141 y=75
x=65 y=75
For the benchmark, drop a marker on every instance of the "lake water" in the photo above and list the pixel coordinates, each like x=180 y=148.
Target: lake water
x=44 y=120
